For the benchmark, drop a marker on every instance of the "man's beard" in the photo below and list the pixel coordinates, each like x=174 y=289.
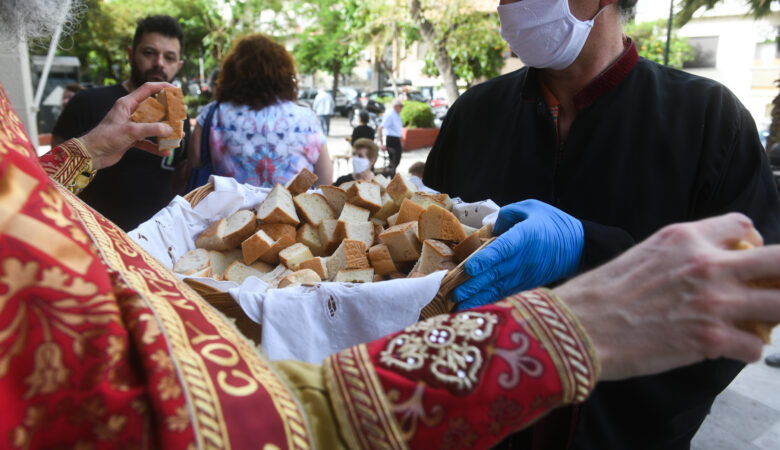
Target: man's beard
x=138 y=78
x=24 y=20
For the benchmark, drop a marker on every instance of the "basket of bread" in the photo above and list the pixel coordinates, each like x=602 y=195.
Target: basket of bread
x=385 y=239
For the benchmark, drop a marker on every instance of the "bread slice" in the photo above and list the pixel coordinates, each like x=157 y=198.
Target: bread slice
x=336 y=197
x=409 y=212
x=192 y=262
x=346 y=185
x=391 y=220
x=381 y=261
x=367 y=195
x=355 y=276
x=219 y=261
x=402 y=242
x=468 y=230
x=309 y=236
x=172 y=99
x=227 y=233
x=278 y=207
x=316 y=264
x=302 y=276
x=283 y=234
x=149 y=111
x=254 y=246
x=400 y=187
x=467 y=246
x=328 y=237
x=174 y=139
x=363 y=231
x=274 y=277
x=349 y=255
x=382 y=181
x=354 y=214
x=211 y=237
x=389 y=207
x=425 y=200
x=293 y=255
x=313 y=208
x=486 y=232
x=434 y=254
x=438 y=223
x=378 y=229
x=302 y=181
x=237 y=272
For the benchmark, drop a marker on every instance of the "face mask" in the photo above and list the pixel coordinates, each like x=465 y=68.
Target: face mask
x=360 y=164
x=544 y=33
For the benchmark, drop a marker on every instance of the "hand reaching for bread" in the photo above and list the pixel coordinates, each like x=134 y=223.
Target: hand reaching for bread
x=537 y=245
x=116 y=133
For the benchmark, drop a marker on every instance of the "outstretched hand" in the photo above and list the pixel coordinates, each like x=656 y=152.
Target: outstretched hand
x=537 y=244
x=676 y=298
x=116 y=133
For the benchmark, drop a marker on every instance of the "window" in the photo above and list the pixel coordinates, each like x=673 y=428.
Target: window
x=705 y=49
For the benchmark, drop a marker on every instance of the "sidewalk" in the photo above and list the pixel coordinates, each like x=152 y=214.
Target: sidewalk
x=746 y=416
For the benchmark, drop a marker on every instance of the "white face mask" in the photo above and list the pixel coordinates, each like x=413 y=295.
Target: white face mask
x=544 y=33
x=360 y=164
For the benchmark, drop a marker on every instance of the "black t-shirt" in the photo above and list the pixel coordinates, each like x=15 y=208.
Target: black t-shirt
x=363 y=131
x=660 y=146
x=134 y=189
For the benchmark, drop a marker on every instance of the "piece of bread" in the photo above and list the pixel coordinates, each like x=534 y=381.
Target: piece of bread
x=302 y=181
x=402 y=242
x=211 y=237
x=274 y=277
x=391 y=220
x=467 y=246
x=293 y=255
x=313 y=208
x=219 y=261
x=317 y=264
x=438 y=223
x=346 y=185
x=409 y=212
x=254 y=246
x=237 y=272
x=354 y=214
x=355 y=276
x=309 y=236
x=434 y=254
x=278 y=207
x=394 y=276
x=425 y=200
x=283 y=234
x=149 y=111
x=303 y=276
x=400 y=187
x=486 y=232
x=382 y=181
x=174 y=139
x=468 y=230
x=367 y=195
x=381 y=261
x=328 y=237
x=336 y=197
x=192 y=262
x=227 y=233
x=172 y=99
x=378 y=229
x=389 y=207
x=349 y=255
x=363 y=231
x=758 y=327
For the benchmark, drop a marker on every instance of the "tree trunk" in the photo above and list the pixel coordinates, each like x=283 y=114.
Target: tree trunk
x=392 y=78
x=442 y=59
x=336 y=72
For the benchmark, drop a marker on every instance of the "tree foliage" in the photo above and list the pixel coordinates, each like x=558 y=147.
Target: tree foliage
x=650 y=41
x=758 y=8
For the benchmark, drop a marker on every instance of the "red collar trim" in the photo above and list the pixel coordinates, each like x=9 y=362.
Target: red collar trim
x=608 y=79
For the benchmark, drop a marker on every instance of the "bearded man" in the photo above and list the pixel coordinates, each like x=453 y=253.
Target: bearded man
x=103 y=347
x=141 y=184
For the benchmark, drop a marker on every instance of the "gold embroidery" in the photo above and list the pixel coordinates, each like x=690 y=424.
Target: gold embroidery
x=179 y=421
x=49 y=373
x=412 y=410
x=443 y=347
x=169 y=387
x=163 y=360
x=518 y=361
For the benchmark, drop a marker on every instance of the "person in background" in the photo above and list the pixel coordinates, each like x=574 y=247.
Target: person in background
x=590 y=149
x=364 y=130
x=391 y=130
x=323 y=106
x=364 y=156
x=416 y=171
x=142 y=183
x=258 y=134
x=70 y=91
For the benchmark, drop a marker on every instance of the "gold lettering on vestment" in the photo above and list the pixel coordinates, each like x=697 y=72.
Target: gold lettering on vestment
x=16 y=187
x=249 y=387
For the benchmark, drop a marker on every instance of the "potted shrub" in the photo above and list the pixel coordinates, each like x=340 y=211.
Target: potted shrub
x=419 y=130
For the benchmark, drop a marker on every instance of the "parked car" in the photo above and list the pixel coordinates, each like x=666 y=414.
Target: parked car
x=375 y=110
x=306 y=96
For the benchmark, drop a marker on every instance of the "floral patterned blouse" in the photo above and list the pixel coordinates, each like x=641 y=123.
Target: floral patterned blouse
x=263 y=147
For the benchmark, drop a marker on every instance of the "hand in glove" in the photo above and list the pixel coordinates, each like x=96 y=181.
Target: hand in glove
x=537 y=244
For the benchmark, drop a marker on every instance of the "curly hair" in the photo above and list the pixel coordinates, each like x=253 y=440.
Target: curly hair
x=257 y=72
x=368 y=144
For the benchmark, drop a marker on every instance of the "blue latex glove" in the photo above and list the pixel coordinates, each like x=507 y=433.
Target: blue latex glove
x=537 y=244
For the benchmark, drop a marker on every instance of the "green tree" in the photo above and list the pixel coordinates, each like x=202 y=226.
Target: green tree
x=650 y=41
x=329 y=42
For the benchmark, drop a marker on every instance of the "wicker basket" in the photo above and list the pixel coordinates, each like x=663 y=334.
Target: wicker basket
x=222 y=301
